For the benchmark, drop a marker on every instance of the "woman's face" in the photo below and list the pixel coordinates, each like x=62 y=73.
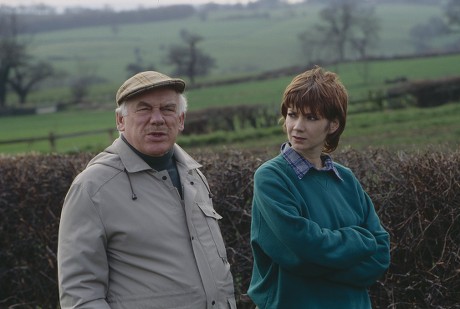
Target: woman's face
x=153 y=121
x=307 y=132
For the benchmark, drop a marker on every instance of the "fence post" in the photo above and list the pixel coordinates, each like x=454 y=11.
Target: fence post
x=111 y=131
x=52 y=140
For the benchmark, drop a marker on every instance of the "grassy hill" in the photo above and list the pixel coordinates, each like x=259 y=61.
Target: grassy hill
x=245 y=45
x=405 y=129
x=243 y=42
x=401 y=129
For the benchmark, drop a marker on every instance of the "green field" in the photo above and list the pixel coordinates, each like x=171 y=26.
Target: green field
x=405 y=129
x=399 y=128
x=238 y=44
x=269 y=92
x=243 y=42
x=243 y=47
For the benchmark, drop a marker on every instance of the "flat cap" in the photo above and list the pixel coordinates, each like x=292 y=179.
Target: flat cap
x=147 y=80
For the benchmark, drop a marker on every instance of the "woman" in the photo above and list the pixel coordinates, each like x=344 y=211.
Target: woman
x=316 y=238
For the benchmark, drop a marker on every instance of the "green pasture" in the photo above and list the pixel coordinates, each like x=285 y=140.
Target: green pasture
x=36 y=126
x=400 y=128
x=269 y=92
x=404 y=129
x=243 y=42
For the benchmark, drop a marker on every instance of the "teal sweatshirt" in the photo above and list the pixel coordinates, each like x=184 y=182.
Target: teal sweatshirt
x=317 y=241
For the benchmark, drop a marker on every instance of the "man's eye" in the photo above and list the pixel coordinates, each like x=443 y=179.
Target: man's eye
x=169 y=109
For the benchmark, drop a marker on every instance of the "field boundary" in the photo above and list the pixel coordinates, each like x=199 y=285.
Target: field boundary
x=52 y=137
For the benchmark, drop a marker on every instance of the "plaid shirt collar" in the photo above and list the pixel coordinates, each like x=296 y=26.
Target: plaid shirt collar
x=301 y=166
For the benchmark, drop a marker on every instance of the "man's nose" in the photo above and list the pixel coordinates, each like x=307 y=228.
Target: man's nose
x=156 y=117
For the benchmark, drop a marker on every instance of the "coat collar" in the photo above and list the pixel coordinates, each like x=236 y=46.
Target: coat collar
x=133 y=163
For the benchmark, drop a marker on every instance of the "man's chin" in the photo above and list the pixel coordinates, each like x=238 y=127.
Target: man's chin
x=157 y=150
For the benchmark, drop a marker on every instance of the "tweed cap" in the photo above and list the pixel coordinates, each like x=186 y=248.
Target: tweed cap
x=145 y=81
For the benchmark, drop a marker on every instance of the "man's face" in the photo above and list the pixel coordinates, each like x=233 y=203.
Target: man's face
x=153 y=121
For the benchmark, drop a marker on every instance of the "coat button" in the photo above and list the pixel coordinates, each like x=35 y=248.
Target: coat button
x=213 y=302
x=192 y=183
x=164 y=177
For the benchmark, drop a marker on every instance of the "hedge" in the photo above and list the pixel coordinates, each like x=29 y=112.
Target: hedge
x=417 y=196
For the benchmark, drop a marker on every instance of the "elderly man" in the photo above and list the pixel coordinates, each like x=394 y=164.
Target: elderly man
x=138 y=228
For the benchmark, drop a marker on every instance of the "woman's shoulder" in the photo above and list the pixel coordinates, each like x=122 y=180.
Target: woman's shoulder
x=340 y=167
x=344 y=171
x=274 y=171
x=274 y=162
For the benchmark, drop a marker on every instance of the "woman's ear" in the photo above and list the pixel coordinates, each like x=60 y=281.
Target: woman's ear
x=333 y=126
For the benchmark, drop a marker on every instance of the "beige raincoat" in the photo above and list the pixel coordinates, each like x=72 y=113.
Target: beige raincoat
x=127 y=240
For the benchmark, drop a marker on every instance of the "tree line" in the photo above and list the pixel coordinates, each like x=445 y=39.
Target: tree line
x=41 y=18
x=44 y=18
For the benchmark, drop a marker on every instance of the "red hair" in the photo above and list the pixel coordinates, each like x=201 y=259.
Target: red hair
x=324 y=94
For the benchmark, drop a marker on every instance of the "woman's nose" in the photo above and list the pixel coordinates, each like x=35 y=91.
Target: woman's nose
x=298 y=125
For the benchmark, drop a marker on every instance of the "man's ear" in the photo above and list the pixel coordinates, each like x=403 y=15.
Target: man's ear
x=333 y=126
x=181 y=122
x=120 y=120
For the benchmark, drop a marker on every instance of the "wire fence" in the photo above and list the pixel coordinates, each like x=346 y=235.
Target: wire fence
x=52 y=137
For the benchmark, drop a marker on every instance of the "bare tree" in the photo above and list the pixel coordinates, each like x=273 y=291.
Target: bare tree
x=345 y=25
x=452 y=12
x=12 y=51
x=423 y=34
x=366 y=36
x=82 y=81
x=27 y=76
x=189 y=59
x=18 y=69
x=313 y=47
x=191 y=40
x=138 y=65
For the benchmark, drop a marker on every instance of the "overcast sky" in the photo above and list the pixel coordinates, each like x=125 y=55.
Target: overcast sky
x=115 y=4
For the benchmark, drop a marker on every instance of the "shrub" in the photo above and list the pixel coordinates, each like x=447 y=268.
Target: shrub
x=417 y=196
x=426 y=93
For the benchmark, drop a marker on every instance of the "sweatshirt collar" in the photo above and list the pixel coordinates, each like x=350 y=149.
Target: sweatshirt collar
x=301 y=166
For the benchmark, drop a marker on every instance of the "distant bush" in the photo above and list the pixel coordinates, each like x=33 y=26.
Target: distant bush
x=82 y=17
x=417 y=196
x=229 y=118
x=427 y=93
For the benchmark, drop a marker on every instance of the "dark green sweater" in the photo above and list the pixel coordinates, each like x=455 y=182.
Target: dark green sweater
x=317 y=241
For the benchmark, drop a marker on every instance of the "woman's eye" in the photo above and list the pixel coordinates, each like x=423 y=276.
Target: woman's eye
x=312 y=117
x=291 y=114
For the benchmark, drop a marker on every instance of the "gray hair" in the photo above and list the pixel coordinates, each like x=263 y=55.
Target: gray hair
x=123 y=109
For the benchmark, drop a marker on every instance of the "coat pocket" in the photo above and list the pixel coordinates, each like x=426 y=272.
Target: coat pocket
x=212 y=220
x=231 y=303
